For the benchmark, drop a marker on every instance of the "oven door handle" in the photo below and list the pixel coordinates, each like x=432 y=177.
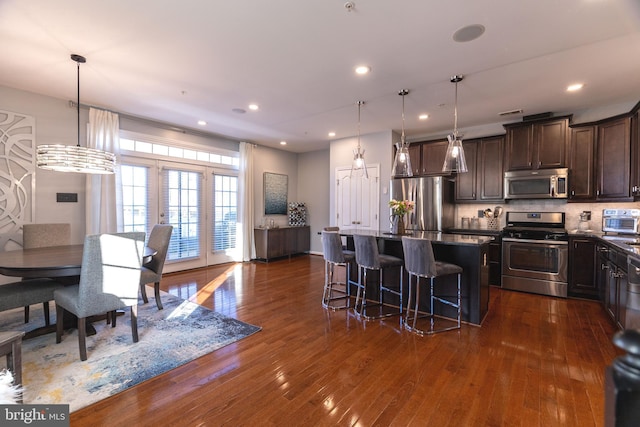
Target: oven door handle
x=544 y=242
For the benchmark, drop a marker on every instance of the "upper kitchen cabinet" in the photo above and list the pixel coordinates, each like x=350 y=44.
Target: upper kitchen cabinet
x=484 y=180
x=582 y=153
x=415 y=154
x=613 y=173
x=427 y=157
x=635 y=153
x=432 y=158
x=539 y=144
x=600 y=161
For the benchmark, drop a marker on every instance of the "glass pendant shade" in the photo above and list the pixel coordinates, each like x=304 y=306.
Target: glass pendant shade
x=70 y=158
x=402 y=161
x=454 y=160
x=358 y=167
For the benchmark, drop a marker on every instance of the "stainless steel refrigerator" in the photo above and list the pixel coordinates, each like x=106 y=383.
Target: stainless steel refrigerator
x=434 y=201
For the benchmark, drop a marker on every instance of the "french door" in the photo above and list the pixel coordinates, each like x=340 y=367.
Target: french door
x=200 y=203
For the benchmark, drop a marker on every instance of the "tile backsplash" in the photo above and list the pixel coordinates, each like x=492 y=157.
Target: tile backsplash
x=572 y=211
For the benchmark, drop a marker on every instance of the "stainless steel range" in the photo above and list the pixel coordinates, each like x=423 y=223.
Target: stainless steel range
x=535 y=253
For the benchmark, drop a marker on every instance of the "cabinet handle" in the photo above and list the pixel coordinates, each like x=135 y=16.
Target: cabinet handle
x=573 y=193
x=604 y=267
x=597 y=192
x=539 y=163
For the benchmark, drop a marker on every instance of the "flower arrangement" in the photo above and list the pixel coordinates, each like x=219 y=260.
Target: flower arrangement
x=400 y=207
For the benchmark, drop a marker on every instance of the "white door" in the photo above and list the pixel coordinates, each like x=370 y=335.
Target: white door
x=357 y=199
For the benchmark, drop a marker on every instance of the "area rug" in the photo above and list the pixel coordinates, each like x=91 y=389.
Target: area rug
x=53 y=373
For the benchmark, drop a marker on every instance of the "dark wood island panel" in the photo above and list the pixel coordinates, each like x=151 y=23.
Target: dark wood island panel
x=469 y=252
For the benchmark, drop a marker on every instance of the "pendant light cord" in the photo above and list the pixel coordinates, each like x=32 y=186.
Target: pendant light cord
x=402 y=139
x=455 y=113
x=78 y=103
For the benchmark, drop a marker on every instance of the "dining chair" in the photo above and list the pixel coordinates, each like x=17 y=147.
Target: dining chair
x=41 y=236
x=109 y=280
x=159 y=239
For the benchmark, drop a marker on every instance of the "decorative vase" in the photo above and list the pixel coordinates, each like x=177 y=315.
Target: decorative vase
x=397 y=224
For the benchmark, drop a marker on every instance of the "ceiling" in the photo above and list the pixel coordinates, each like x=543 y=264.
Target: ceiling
x=180 y=62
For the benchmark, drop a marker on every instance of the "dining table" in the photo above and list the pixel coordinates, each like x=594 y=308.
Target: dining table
x=62 y=263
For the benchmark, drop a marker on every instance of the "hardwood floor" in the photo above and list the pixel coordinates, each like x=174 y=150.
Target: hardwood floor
x=534 y=361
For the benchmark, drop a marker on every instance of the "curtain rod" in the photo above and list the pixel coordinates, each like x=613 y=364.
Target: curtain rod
x=162 y=125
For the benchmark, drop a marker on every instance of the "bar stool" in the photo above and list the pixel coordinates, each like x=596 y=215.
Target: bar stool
x=334 y=256
x=420 y=262
x=369 y=258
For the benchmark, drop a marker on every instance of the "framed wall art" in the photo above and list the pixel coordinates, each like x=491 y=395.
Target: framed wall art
x=275 y=193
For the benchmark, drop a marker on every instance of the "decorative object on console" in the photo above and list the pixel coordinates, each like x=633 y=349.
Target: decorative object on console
x=454 y=160
x=402 y=161
x=297 y=214
x=359 y=167
x=70 y=158
x=399 y=208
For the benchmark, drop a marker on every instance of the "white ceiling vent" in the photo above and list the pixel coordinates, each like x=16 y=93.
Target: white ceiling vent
x=511 y=113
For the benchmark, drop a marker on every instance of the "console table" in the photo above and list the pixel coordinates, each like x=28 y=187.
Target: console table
x=282 y=241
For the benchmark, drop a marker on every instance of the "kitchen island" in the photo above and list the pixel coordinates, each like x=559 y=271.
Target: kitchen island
x=468 y=251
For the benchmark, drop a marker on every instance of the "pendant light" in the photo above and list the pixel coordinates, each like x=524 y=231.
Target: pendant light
x=70 y=158
x=359 y=167
x=402 y=161
x=454 y=161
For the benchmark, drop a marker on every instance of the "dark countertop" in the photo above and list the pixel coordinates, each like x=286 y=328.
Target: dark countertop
x=475 y=231
x=630 y=244
x=444 y=238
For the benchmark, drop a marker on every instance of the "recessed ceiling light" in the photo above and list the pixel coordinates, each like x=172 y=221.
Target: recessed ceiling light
x=202 y=123
x=253 y=107
x=283 y=142
x=239 y=110
x=332 y=134
x=363 y=69
x=468 y=33
x=423 y=116
x=575 y=87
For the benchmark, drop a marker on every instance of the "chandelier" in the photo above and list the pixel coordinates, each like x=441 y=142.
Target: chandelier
x=359 y=167
x=70 y=158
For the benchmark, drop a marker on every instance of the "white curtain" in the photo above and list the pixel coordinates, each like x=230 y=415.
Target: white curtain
x=103 y=192
x=245 y=196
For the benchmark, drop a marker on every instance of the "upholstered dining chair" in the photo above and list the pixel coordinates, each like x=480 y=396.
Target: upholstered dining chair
x=41 y=236
x=159 y=239
x=109 y=281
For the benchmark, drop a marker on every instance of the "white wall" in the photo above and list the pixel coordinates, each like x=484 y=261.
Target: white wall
x=314 y=189
x=56 y=122
x=275 y=161
x=378 y=150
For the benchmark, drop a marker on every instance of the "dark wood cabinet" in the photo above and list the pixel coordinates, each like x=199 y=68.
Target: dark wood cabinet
x=432 y=157
x=613 y=283
x=635 y=154
x=614 y=160
x=582 y=268
x=415 y=154
x=279 y=242
x=466 y=183
x=483 y=182
x=537 y=145
x=582 y=151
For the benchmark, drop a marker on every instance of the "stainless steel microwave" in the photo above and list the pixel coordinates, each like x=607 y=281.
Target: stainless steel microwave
x=536 y=184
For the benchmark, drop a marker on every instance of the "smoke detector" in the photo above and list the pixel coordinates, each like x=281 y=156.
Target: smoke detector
x=349 y=6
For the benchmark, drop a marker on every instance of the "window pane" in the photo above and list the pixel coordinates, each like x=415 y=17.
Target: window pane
x=135 y=198
x=225 y=213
